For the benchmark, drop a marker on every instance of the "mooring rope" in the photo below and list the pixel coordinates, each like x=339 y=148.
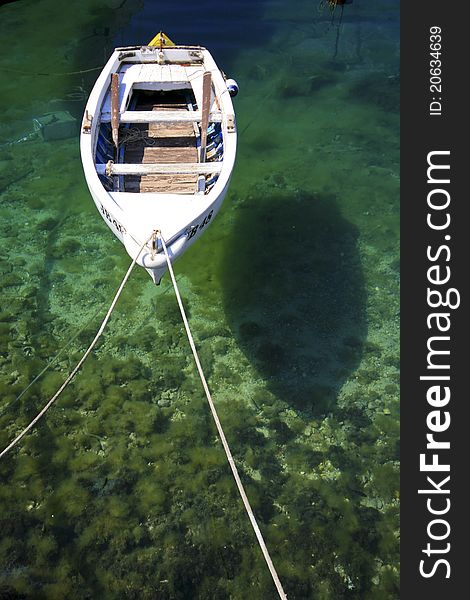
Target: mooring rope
x=81 y=361
x=63 y=74
x=48 y=366
x=228 y=452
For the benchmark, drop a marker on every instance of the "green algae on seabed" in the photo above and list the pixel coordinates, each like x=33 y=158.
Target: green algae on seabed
x=122 y=491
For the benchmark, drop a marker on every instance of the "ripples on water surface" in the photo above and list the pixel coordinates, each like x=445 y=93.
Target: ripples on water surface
x=123 y=490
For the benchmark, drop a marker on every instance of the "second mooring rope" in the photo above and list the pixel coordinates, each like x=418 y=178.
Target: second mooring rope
x=228 y=452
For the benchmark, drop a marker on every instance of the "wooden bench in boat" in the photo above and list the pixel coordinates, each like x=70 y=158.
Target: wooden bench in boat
x=161 y=150
x=164 y=116
x=159 y=168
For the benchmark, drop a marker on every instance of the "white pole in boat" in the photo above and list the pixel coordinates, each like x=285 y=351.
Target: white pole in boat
x=115 y=107
x=206 y=103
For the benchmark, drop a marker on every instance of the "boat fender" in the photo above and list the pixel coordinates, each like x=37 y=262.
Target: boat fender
x=232 y=87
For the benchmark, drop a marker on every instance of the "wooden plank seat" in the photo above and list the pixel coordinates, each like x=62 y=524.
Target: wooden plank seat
x=164 y=116
x=159 y=168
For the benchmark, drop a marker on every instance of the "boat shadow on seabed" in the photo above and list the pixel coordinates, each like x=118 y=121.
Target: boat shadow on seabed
x=295 y=295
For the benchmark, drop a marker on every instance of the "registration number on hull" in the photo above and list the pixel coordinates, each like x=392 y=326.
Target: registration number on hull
x=198 y=226
x=109 y=217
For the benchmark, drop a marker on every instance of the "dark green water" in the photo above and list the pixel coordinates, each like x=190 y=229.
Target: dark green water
x=123 y=491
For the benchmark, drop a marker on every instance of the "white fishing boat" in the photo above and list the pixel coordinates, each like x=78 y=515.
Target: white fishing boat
x=158 y=145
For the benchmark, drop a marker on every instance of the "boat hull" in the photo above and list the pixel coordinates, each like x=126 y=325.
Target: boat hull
x=134 y=218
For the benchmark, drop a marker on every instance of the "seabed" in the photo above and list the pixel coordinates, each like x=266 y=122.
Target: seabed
x=123 y=490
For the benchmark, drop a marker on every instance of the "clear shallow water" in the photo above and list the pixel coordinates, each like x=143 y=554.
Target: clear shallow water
x=123 y=489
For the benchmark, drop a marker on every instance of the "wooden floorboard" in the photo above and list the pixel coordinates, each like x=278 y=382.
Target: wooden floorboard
x=160 y=143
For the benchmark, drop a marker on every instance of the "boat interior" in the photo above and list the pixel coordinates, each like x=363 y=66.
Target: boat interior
x=159 y=144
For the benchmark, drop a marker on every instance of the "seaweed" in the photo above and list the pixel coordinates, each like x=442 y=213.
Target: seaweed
x=122 y=490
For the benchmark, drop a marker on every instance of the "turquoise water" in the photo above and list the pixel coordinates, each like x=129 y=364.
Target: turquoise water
x=123 y=491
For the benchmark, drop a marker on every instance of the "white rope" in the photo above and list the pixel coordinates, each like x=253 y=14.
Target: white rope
x=80 y=362
x=228 y=453
x=48 y=366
